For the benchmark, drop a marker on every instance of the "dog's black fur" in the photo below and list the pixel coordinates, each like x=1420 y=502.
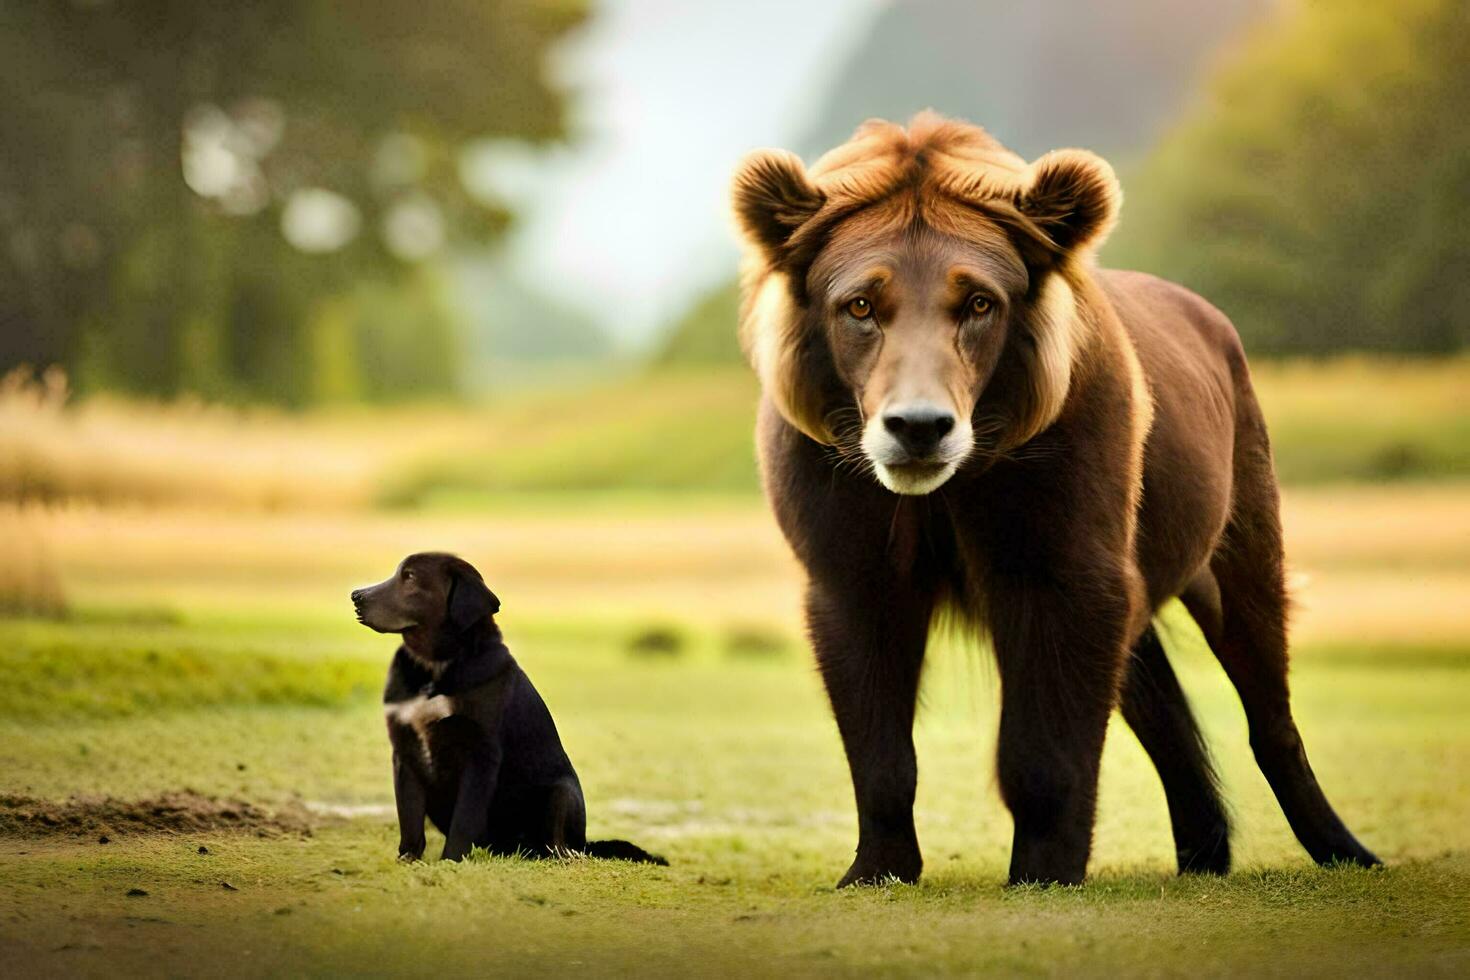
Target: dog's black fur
x=474 y=746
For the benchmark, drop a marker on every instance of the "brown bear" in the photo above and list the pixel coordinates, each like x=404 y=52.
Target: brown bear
x=963 y=414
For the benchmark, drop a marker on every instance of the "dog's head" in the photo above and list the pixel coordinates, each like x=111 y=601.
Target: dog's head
x=431 y=595
x=909 y=299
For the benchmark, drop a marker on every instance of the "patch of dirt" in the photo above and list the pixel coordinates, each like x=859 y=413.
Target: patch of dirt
x=183 y=812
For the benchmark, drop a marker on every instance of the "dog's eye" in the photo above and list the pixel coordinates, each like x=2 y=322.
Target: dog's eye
x=860 y=308
x=980 y=305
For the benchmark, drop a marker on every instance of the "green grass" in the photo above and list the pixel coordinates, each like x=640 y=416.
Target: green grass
x=674 y=432
x=337 y=904
x=103 y=666
x=731 y=767
x=658 y=432
x=1367 y=420
x=690 y=430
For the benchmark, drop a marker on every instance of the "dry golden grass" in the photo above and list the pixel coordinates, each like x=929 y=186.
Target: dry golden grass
x=670 y=432
x=184 y=504
x=1372 y=564
x=1400 y=392
x=1366 y=419
x=1381 y=527
x=1380 y=564
x=30 y=582
x=105 y=450
x=699 y=564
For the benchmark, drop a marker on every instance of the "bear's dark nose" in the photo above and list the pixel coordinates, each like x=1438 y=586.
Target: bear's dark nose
x=357 y=595
x=919 y=430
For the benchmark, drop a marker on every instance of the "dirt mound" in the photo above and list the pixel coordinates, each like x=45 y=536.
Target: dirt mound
x=183 y=812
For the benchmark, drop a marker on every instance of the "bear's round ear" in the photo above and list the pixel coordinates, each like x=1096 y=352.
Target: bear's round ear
x=773 y=197
x=1073 y=197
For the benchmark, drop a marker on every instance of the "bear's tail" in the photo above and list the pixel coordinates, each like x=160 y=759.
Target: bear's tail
x=621 y=850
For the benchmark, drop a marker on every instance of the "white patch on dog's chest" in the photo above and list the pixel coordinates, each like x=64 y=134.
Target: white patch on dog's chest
x=420 y=712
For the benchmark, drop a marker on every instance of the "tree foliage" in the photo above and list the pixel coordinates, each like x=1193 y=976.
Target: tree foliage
x=1318 y=194
x=1320 y=200
x=245 y=199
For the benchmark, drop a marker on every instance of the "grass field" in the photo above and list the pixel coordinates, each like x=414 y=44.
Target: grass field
x=750 y=805
x=199 y=638
x=215 y=652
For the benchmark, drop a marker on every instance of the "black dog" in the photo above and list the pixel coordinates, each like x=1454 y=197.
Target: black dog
x=474 y=747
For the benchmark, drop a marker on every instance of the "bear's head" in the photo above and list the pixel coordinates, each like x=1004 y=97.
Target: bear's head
x=911 y=298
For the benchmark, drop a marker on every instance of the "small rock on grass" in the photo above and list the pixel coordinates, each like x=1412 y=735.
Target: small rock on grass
x=136 y=893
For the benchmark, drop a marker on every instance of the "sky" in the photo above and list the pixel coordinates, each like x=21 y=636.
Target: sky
x=629 y=222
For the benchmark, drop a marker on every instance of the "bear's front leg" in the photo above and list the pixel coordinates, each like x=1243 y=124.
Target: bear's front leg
x=870 y=649
x=1060 y=646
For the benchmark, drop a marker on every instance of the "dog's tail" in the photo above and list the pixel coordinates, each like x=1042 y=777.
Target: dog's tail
x=621 y=850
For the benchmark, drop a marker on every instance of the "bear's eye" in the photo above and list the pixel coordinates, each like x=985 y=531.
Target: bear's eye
x=860 y=308
x=980 y=305
x=408 y=574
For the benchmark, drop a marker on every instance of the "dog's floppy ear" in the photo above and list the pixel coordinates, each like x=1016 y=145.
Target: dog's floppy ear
x=773 y=197
x=470 y=600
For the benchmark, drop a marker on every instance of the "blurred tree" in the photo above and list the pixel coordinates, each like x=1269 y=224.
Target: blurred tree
x=1321 y=199
x=237 y=199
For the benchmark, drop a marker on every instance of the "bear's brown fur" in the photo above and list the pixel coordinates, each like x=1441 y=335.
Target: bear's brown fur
x=962 y=412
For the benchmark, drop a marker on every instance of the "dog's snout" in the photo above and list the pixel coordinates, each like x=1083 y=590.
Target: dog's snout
x=919 y=430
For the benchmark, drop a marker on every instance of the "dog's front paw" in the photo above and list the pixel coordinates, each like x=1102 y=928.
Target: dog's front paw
x=877 y=865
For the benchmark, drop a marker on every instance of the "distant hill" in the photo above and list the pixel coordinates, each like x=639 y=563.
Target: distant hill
x=515 y=332
x=1107 y=76
x=705 y=334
